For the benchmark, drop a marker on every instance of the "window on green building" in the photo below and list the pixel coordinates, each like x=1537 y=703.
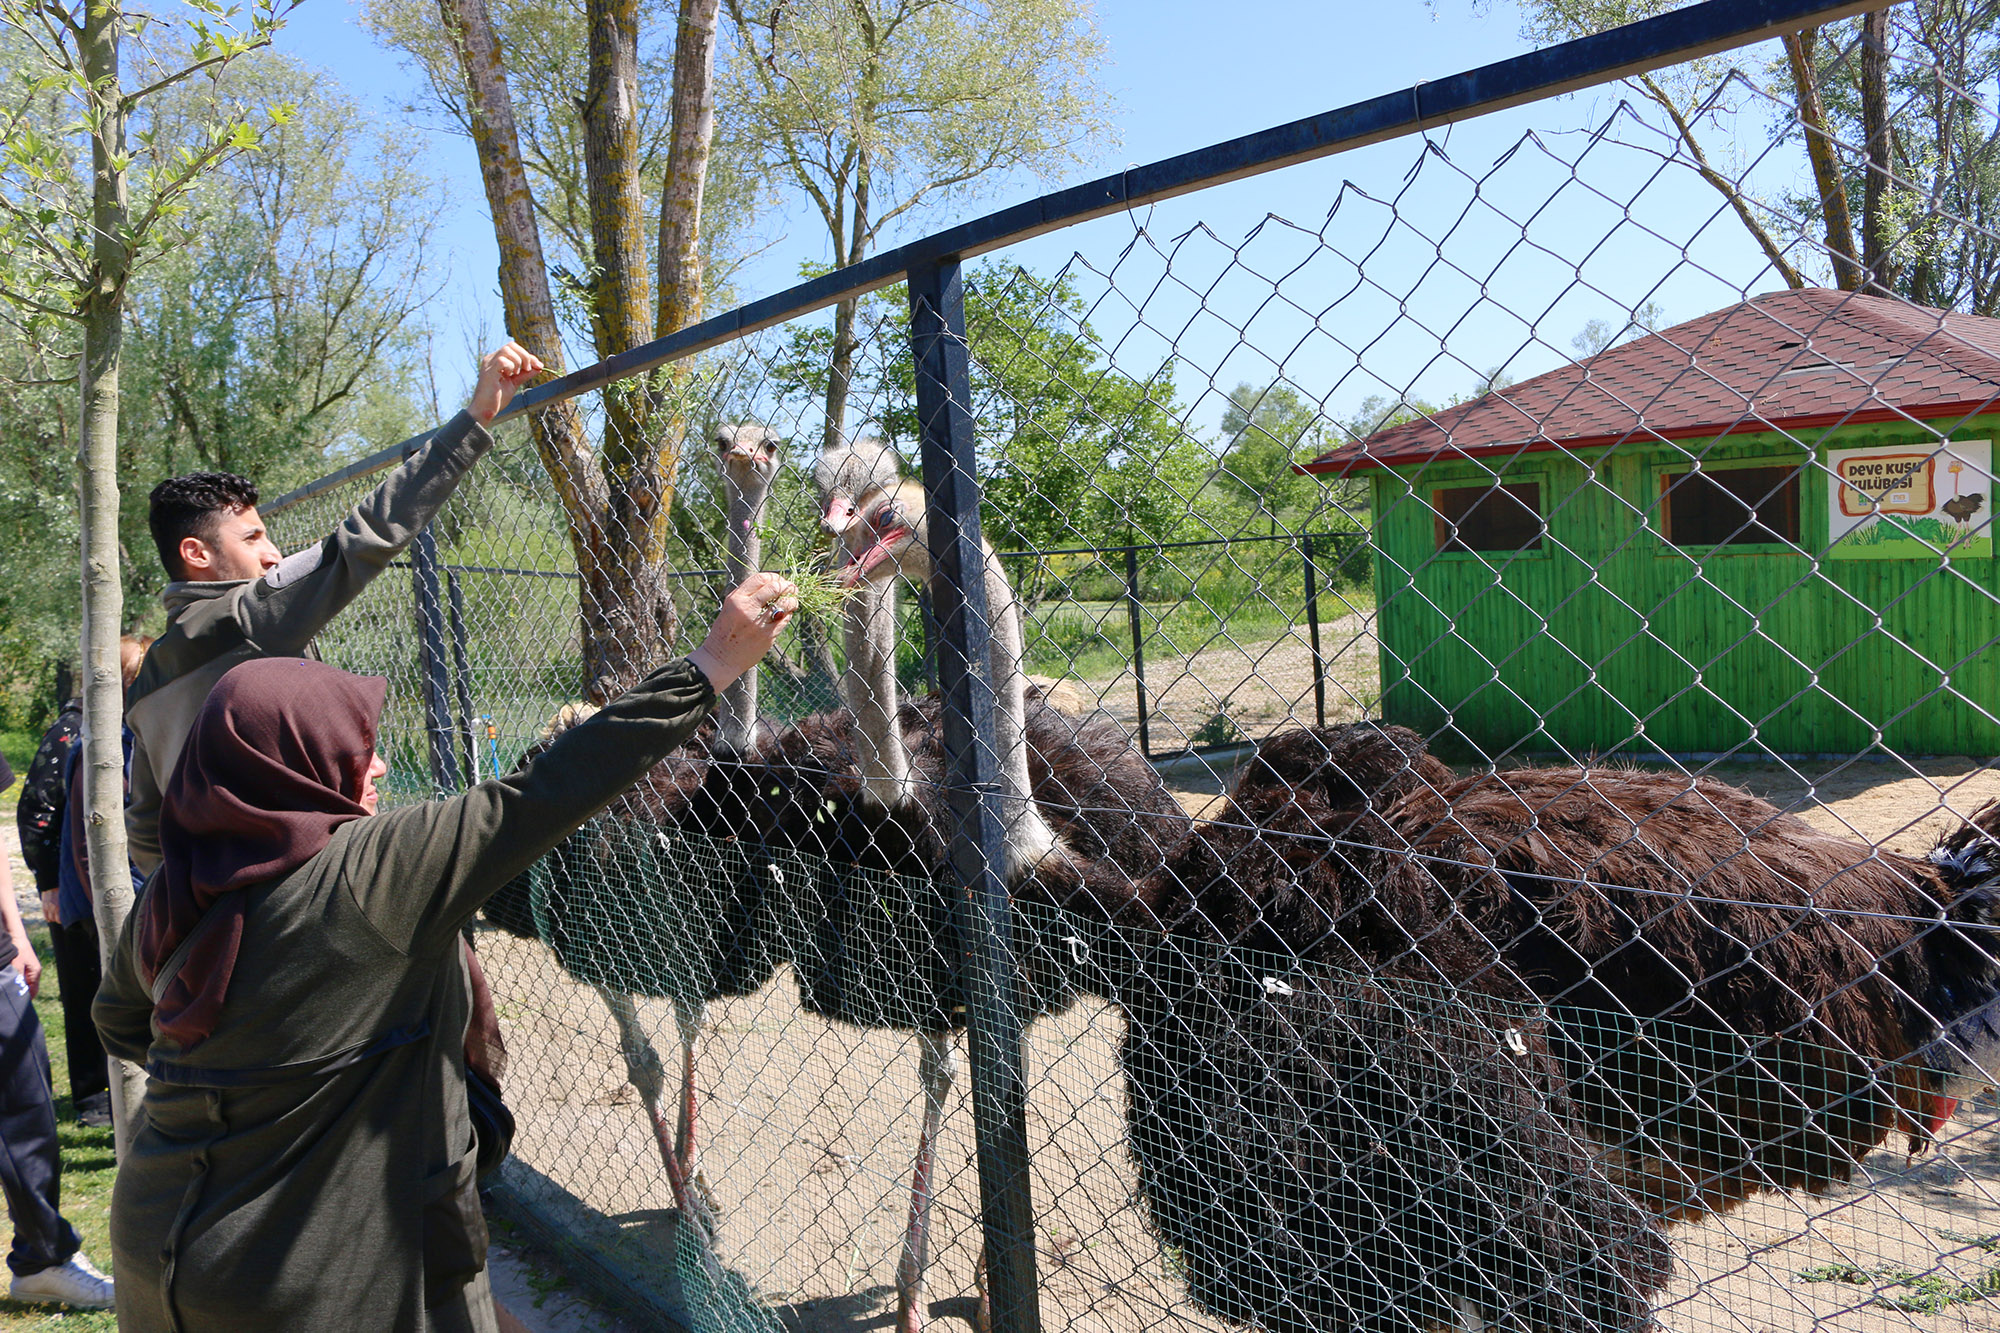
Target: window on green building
x=1731 y=506
x=1489 y=517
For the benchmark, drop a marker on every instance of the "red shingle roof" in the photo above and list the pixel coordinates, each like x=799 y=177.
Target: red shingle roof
x=1787 y=360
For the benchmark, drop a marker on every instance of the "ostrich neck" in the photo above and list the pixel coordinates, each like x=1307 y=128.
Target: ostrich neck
x=870 y=686
x=736 y=708
x=1028 y=837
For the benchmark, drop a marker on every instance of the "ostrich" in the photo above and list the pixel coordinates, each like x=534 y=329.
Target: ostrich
x=694 y=933
x=1745 y=1002
x=1342 y=1116
x=1080 y=808
x=1407 y=1050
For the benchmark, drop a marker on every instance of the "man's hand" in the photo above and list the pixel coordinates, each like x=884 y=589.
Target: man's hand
x=51 y=907
x=28 y=965
x=501 y=374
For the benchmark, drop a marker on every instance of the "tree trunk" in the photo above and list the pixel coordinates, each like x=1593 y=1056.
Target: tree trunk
x=1875 y=239
x=621 y=301
x=840 y=367
x=1727 y=188
x=97 y=485
x=642 y=438
x=691 y=138
x=1825 y=166
x=524 y=289
x=693 y=135
x=839 y=370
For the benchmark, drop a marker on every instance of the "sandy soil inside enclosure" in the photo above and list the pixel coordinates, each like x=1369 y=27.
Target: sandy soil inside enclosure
x=808 y=1129
x=1259 y=686
x=807 y=1133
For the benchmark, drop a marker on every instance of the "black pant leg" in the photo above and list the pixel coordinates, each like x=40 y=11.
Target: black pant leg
x=79 y=970
x=30 y=1169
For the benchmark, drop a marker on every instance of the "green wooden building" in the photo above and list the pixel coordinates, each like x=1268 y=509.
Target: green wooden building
x=1767 y=529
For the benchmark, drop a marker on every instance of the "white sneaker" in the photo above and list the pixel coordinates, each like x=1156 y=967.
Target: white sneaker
x=74 y=1283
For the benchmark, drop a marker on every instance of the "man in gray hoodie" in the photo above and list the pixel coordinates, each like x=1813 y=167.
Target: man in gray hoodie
x=234 y=596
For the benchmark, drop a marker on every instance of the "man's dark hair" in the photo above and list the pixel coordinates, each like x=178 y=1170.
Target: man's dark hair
x=194 y=505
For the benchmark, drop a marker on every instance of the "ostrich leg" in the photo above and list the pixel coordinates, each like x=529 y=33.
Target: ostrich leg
x=688 y=1018
x=646 y=1073
x=936 y=1071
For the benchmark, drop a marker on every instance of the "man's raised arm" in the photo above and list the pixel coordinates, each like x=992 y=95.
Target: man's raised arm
x=279 y=614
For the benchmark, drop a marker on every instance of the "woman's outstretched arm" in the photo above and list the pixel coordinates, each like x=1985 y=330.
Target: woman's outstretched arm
x=421 y=871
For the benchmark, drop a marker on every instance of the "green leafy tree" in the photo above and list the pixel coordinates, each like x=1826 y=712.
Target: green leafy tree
x=280 y=337
x=1264 y=432
x=92 y=190
x=1072 y=451
x=1910 y=86
x=273 y=341
x=875 y=109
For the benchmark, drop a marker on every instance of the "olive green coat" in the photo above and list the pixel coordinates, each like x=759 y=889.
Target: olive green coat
x=309 y=1165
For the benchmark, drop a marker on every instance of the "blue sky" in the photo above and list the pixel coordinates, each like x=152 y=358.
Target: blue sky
x=1449 y=288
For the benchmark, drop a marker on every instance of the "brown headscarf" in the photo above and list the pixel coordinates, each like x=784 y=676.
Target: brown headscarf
x=273 y=766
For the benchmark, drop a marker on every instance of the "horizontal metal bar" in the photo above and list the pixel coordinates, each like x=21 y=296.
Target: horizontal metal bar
x=1665 y=39
x=1293 y=537
x=560 y=573
x=529 y=573
x=373 y=463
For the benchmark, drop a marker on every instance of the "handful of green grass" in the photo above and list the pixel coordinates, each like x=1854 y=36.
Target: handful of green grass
x=802 y=560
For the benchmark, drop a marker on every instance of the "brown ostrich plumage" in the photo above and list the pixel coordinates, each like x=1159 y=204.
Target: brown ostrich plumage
x=1659 y=995
x=1746 y=991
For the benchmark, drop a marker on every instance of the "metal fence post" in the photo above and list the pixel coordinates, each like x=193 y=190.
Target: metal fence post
x=984 y=914
x=1138 y=645
x=431 y=658
x=1312 y=624
x=462 y=675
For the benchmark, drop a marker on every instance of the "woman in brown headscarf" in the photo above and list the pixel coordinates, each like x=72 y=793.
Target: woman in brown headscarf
x=293 y=982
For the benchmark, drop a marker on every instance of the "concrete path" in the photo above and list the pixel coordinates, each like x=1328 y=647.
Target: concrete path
x=534 y=1296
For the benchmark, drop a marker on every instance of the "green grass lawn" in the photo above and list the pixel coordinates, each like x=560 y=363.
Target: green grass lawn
x=19 y=747
x=1093 y=639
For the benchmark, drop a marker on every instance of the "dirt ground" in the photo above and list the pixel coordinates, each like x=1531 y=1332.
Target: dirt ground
x=808 y=1129
x=1257 y=686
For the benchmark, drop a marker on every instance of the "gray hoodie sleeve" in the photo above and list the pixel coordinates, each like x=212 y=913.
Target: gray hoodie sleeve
x=280 y=613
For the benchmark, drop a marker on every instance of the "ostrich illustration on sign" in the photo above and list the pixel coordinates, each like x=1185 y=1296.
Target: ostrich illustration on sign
x=1898 y=502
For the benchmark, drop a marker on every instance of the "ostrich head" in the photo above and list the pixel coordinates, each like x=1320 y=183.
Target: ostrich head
x=748 y=454
x=845 y=474
x=887 y=537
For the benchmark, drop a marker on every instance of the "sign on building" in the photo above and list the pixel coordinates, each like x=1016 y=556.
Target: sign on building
x=1898 y=502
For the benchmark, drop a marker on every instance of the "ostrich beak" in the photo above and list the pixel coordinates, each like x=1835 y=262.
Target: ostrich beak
x=840 y=511
x=885 y=548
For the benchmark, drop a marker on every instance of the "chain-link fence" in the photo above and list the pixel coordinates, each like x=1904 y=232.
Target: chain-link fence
x=1425 y=821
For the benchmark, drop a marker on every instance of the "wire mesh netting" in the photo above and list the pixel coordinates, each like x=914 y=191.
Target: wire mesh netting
x=1523 y=865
